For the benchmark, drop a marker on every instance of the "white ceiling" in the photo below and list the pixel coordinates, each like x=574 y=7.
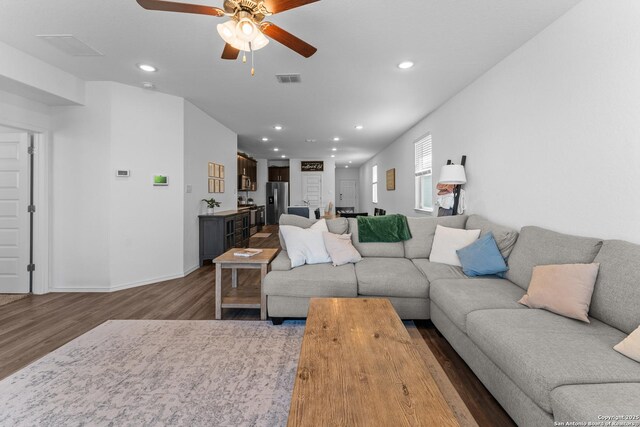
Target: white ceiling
x=352 y=79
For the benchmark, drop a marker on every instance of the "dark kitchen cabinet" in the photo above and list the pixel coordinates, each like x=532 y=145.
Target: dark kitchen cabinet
x=222 y=231
x=278 y=174
x=248 y=167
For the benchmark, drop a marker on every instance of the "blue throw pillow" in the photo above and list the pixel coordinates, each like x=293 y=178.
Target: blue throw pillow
x=482 y=257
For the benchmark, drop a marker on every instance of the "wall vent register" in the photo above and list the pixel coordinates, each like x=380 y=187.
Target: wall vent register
x=288 y=78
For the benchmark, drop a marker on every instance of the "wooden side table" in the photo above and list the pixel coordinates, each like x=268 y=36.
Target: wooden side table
x=261 y=261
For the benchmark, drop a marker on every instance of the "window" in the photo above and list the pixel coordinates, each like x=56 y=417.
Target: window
x=374 y=180
x=424 y=173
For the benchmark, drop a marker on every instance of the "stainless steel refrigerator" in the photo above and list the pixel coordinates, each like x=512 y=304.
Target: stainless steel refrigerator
x=277 y=200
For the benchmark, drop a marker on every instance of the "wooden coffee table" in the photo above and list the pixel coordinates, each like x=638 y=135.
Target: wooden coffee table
x=261 y=261
x=359 y=367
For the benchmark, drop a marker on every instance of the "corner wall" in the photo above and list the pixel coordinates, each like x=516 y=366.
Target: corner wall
x=551 y=132
x=205 y=140
x=110 y=233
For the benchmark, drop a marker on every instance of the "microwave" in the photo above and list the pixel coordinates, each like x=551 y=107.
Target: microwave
x=244 y=183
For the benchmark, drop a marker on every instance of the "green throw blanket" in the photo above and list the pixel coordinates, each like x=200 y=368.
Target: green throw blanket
x=387 y=228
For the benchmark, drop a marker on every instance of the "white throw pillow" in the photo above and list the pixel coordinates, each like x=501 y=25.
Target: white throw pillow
x=447 y=241
x=306 y=245
x=341 y=249
x=630 y=346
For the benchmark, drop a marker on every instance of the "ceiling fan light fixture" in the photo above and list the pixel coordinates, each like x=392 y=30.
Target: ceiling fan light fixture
x=259 y=42
x=246 y=30
x=227 y=32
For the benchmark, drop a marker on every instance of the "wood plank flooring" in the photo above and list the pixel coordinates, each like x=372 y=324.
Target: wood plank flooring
x=34 y=326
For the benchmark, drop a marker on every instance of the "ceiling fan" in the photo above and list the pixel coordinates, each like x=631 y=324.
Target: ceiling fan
x=246 y=29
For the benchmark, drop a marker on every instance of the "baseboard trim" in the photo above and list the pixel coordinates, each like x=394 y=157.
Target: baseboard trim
x=190 y=270
x=121 y=287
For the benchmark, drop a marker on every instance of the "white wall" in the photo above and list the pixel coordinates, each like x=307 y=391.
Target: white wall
x=146 y=239
x=81 y=193
x=205 y=140
x=28 y=76
x=23 y=113
x=352 y=174
x=110 y=233
x=328 y=183
x=551 y=132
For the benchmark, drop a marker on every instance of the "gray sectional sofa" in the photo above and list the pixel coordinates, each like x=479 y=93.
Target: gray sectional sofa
x=540 y=366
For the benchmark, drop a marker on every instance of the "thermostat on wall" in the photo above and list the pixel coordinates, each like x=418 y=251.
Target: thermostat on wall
x=123 y=173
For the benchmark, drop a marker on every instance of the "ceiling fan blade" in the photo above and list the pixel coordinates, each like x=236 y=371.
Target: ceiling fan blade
x=230 y=52
x=288 y=39
x=170 y=6
x=277 y=6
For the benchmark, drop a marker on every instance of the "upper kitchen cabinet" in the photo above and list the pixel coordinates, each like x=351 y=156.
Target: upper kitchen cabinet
x=247 y=169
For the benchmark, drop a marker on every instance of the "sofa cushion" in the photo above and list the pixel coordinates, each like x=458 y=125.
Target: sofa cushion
x=459 y=297
x=537 y=246
x=318 y=280
x=390 y=277
x=447 y=241
x=423 y=230
x=505 y=237
x=436 y=270
x=281 y=262
x=540 y=350
x=616 y=296
x=386 y=250
x=337 y=225
x=586 y=402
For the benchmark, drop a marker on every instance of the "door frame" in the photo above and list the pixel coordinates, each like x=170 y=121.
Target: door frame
x=41 y=197
x=357 y=201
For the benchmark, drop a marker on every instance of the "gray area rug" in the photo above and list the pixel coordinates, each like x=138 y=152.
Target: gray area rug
x=155 y=372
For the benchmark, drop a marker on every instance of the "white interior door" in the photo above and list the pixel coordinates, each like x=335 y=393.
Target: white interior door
x=347 y=194
x=312 y=191
x=14 y=218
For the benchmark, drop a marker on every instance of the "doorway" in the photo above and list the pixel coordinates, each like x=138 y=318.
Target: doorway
x=312 y=191
x=348 y=194
x=16 y=212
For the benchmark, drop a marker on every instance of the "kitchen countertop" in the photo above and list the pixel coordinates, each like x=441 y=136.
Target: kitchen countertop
x=230 y=212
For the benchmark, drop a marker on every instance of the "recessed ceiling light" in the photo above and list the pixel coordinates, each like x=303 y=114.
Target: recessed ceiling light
x=265 y=139
x=278 y=127
x=334 y=149
x=283 y=156
x=405 y=65
x=276 y=149
x=359 y=127
x=350 y=162
x=346 y=167
x=336 y=139
x=333 y=155
x=148 y=68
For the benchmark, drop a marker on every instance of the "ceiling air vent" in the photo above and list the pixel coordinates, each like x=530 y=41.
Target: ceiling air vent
x=288 y=78
x=70 y=45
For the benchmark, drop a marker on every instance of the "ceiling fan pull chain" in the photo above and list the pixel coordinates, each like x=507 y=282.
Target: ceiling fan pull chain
x=253 y=70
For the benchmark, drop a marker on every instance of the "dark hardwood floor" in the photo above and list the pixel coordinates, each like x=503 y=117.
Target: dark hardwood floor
x=32 y=327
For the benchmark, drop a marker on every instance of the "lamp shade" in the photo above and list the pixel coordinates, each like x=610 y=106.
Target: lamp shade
x=453 y=174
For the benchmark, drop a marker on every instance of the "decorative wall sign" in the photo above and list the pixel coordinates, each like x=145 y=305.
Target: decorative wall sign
x=160 y=180
x=312 y=166
x=391 y=179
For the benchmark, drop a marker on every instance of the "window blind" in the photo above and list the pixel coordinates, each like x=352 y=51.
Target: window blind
x=423 y=155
